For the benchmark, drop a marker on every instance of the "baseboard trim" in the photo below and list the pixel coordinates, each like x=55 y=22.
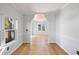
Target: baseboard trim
x=63 y=48
x=50 y=42
x=16 y=48
x=26 y=42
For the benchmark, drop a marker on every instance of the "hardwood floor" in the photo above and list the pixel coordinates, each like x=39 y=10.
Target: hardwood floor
x=39 y=46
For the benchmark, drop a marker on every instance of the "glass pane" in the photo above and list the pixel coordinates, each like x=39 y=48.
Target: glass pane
x=43 y=28
x=39 y=27
x=9 y=35
x=9 y=23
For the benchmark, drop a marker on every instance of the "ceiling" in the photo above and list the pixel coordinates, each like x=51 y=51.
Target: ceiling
x=30 y=8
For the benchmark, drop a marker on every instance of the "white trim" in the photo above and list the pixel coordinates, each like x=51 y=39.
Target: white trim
x=26 y=42
x=2 y=50
x=51 y=42
x=63 y=48
x=16 y=48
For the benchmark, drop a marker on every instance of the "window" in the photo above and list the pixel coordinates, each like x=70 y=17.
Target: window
x=9 y=31
x=41 y=27
x=9 y=24
x=9 y=35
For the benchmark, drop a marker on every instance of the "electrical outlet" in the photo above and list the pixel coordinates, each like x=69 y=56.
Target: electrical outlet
x=26 y=29
x=8 y=48
x=77 y=52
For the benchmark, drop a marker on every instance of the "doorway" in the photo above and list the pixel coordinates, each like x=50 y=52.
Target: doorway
x=39 y=34
x=39 y=28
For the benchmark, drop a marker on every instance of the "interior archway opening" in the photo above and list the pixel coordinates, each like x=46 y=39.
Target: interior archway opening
x=39 y=30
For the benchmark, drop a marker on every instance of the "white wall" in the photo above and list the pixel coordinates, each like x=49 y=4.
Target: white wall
x=8 y=10
x=0 y=30
x=51 y=27
x=26 y=25
x=68 y=28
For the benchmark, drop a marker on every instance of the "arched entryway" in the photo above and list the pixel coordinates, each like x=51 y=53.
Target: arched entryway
x=39 y=34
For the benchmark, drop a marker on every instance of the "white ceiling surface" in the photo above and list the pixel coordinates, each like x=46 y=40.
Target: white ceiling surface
x=30 y=8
